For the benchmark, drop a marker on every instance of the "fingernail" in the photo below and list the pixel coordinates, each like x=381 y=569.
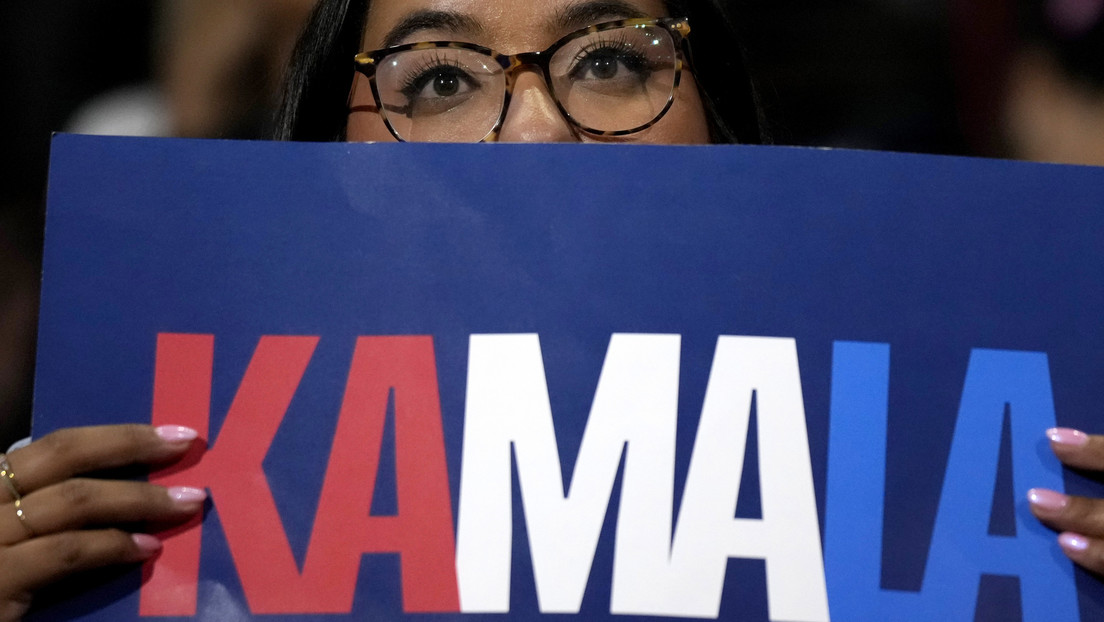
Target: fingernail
x=147 y=544
x=1047 y=499
x=1073 y=542
x=1068 y=436
x=184 y=494
x=176 y=433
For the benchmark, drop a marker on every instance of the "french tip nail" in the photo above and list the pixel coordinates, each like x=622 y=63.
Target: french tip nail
x=1073 y=542
x=1067 y=436
x=148 y=545
x=176 y=433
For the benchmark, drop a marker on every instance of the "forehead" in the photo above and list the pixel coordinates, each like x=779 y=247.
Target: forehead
x=507 y=25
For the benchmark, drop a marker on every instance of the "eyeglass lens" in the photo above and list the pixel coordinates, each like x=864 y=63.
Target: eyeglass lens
x=608 y=81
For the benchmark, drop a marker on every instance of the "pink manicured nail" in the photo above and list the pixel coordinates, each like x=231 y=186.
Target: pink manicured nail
x=176 y=433
x=1068 y=436
x=184 y=494
x=1073 y=542
x=1047 y=499
x=147 y=544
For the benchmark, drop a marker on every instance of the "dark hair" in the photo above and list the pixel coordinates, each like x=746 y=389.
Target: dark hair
x=317 y=85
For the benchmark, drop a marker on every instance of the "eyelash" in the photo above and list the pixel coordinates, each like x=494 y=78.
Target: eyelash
x=618 y=45
x=413 y=82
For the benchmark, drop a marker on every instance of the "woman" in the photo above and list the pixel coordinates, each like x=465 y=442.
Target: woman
x=317 y=101
x=52 y=521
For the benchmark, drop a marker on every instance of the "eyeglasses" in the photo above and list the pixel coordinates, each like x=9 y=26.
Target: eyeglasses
x=608 y=79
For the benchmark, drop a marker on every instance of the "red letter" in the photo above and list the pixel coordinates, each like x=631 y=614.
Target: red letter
x=231 y=469
x=422 y=532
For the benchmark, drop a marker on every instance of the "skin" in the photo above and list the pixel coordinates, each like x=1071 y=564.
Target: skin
x=1079 y=519
x=1050 y=116
x=511 y=27
x=70 y=522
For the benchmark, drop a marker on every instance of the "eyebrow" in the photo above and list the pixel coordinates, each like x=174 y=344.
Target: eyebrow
x=581 y=15
x=431 y=20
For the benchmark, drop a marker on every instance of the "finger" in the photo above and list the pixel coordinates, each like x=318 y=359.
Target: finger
x=79 y=503
x=72 y=451
x=1083 y=551
x=33 y=564
x=1067 y=512
x=7 y=479
x=1077 y=449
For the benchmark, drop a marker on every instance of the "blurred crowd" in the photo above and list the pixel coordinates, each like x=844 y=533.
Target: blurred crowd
x=192 y=68
x=1003 y=78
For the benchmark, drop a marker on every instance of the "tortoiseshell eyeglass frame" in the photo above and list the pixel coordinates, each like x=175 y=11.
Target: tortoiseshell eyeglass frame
x=679 y=28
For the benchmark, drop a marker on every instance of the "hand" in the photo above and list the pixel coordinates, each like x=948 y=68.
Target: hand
x=57 y=524
x=1079 y=519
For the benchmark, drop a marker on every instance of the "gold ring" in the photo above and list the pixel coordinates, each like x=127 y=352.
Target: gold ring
x=23 y=518
x=8 y=476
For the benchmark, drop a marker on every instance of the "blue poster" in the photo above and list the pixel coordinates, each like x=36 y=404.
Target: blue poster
x=466 y=382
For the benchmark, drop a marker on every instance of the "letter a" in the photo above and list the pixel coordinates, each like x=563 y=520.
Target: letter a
x=422 y=531
x=788 y=535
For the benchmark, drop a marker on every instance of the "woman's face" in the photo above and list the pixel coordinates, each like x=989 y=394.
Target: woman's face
x=512 y=27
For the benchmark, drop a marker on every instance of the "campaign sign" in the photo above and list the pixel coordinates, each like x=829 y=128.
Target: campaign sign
x=590 y=382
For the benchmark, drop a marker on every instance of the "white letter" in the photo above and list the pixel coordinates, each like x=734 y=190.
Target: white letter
x=507 y=403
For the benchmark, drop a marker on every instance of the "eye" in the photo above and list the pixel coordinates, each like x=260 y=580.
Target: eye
x=437 y=79
x=609 y=60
